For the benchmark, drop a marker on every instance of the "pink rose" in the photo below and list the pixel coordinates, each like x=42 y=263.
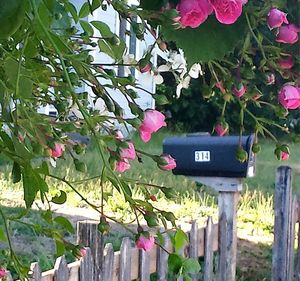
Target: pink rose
x=122 y=166
x=145 y=243
x=129 y=152
x=284 y=156
x=2 y=272
x=239 y=90
x=288 y=34
x=287 y=63
x=170 y=163
x=276 y=18
x=193 y=12
x=221 y=130
x=58 y=150
x=289 y=97
x=227 y=11
x=270 y=77
x=153 y=121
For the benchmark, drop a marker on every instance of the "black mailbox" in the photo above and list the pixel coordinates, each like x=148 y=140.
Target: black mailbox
x=210 y=156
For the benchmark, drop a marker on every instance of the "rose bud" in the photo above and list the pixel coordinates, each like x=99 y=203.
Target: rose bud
x=153 y=121
x=289 y=97
x=145 y=243
x=239 y=90
x=286 y=63
x=167 y=162
x=288 y=34
x=122 y=166
x=276 y=18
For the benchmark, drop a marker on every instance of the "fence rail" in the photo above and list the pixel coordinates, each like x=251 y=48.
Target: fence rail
x=131 y=263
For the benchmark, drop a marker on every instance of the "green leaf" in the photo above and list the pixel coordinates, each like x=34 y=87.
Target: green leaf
x=64 y=222
x=191 y=266
x=84 y=11
x=60 y=199
x=211 y=40
x=180 y=240
x=174 y=263
x=2 y=235
x=7 y=141
x=25 y=84
x=87 y=27
x=16 y=173
x=152 y=5
x=12 y=14
x=60 y=247
x=32 y=183
x=72 y=9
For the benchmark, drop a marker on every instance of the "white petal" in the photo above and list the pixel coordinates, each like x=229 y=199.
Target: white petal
x=186 y=82
x=178 y=90
x=163 y=68
x=158 y=79
x=195 y=71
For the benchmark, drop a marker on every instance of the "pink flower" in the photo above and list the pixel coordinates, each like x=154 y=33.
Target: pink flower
x=289 y=97
x=239 y=90
x=129 y=152
x=270 y=77
x=2 y=272
x=82 y=252
x=193 y=12
x=287 y=63
x=227 y=11
x=170 y=163
x=145 y=243
x=58 y=150
x=220 y=129
x=284 y=156
x=153 y=121
x=288 y=34
x=119 y=135
x=146 y=68
x=256 y=96
x=220 y=86
x=276 y=18
x=122 y=166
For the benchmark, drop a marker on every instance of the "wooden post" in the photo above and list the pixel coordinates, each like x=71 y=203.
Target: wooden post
x=228 y=204
x=282 y=257
x=89 y=236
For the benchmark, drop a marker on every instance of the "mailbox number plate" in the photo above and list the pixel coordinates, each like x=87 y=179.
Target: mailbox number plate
x=202 y=156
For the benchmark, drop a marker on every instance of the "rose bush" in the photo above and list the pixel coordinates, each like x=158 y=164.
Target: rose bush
x=228 y=50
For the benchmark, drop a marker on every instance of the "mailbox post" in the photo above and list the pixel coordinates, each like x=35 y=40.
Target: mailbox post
x=212 y=161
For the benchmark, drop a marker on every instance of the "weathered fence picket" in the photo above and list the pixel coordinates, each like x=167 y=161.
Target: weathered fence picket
x=61 y=271
x=125 y=260
x=162 y=260
x=36 y=274
x=286 y=210
x=86 y=270
x=209 y=254
x=193 y=247
x=108 y=263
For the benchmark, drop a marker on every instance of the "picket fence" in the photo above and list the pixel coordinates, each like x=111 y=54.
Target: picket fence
x=286 y=256
x=129 y=263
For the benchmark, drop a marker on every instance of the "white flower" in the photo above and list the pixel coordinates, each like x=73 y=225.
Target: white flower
x=195 y=71
x=183 y=84
x=129 y=59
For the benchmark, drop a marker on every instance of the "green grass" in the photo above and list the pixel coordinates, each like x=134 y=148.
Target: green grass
x=193 y=201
